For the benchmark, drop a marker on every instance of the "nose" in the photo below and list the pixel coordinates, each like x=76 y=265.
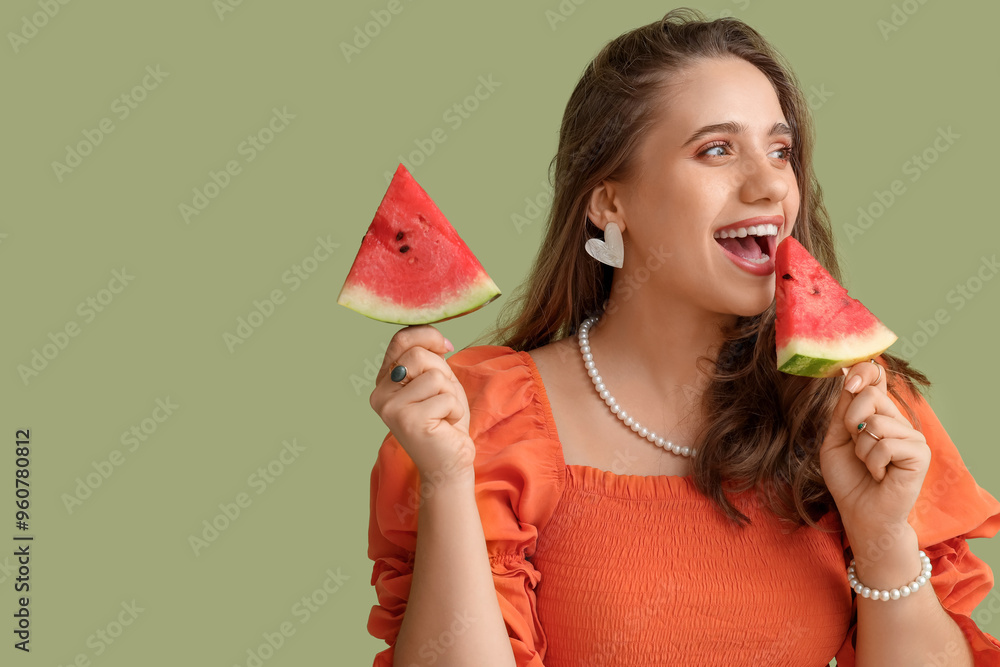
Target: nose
x=763 y=178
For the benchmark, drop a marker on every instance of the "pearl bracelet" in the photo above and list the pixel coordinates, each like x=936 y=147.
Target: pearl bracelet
x=895 y=593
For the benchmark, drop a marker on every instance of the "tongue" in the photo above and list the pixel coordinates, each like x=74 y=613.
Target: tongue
x=745 y=247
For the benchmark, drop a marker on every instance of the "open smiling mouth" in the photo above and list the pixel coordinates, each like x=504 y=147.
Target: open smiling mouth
x=754 y=244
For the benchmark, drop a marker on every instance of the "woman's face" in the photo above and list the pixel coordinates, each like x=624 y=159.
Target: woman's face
x=695 y=180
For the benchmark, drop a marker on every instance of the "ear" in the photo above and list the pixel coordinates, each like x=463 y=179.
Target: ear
x=605 y=205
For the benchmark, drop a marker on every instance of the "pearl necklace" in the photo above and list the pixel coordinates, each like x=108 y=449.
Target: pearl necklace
x=588 y=361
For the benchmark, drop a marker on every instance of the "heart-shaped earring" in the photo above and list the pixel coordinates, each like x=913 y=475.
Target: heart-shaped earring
x=611 y=250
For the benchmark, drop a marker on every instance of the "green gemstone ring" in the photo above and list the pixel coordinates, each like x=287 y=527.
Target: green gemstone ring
x=398 y=373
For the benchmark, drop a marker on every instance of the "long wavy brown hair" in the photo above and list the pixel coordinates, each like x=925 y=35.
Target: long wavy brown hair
x=765 y=428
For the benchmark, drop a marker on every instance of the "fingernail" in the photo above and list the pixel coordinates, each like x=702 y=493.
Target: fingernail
x=853 y=384
x=448 y=346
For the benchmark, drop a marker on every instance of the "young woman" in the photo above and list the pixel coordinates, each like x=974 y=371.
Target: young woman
x=625 y=478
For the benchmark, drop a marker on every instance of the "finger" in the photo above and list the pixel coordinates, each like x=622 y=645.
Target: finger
x=443 y=407
x=429 y=382
x=877 y=427
x=867 y=374
x=907 y=454
x=431 y=410
x=417 y=361
x=870 y=401
x=422 y=335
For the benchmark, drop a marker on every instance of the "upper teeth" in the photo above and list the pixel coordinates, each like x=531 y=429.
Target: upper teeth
x=759 y=230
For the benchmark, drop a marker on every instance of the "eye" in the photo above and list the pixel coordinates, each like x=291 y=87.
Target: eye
x=714 y=145
x=787 y=150
x=725 y=147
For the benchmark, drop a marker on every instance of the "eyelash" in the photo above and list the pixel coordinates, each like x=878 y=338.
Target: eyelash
x=787 y=148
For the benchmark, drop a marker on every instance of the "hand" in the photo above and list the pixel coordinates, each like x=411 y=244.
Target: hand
x=428 y=412
x=875 y=483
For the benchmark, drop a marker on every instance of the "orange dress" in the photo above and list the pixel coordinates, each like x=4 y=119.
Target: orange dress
x=595 y=568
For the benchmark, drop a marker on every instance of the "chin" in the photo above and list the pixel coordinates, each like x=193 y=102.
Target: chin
x=752 y=308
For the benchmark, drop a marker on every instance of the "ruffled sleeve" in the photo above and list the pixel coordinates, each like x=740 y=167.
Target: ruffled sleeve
x=951 y=508
x=519 y=478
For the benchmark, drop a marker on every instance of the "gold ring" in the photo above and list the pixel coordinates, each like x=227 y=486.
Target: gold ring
x=879 y=378
x=863 y=428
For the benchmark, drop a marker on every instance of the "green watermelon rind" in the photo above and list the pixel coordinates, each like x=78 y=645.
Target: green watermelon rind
x=812 y=358
x=369 y=304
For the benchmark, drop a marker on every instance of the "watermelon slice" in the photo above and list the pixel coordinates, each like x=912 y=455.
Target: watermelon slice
x=819 y=329
x=412 y=267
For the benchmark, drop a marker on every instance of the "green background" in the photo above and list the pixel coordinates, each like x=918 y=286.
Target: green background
x=301 y=375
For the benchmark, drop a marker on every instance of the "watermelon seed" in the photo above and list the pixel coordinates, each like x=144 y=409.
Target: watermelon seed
x=399 y=236
x=404 y=248
x=787 y=276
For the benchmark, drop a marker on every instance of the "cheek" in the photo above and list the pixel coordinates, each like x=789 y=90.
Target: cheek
x=684 y=189
x=794 y=197
x=790 y=204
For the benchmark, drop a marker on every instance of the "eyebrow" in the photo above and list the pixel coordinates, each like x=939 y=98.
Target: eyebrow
x=733 y=127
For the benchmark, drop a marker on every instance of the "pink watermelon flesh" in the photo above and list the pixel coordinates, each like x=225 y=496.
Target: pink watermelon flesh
x=412 y=267
x=819 y=329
